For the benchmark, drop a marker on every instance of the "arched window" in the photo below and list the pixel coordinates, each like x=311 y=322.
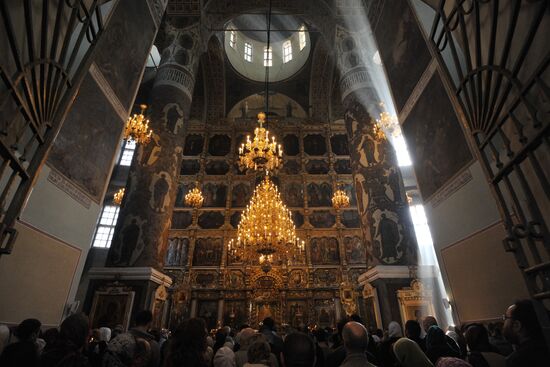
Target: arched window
x=268 y=56
x=302 y=37
x=232 y=39
x=287 y=51
x=248 y=52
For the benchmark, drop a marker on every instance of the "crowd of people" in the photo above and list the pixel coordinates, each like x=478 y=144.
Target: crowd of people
x=519 y=341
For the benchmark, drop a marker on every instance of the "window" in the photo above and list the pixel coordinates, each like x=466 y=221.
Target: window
x=302 y=37
x=127 y=153
x=232 y=39
x=268 y=56
x=248 y=52
x=106 y=227
x=287 y=51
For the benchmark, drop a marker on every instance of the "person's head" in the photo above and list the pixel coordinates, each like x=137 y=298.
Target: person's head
x=225 y=357
x=188 y=341
x=435 y=337
x=50 y=336
x=104 y=334
x=298 y=350
x=74 y=331
x=451 y=362
x=355 y=337
x=226 y=330
x=409 y=354
x=428 y=322
x=28 y=330
x=259 y=351
x=521 y=322
x=268 y=323
x=413 y=329
x=394 y=330
x=144 y=318
x=477 y=338
x=245 y=337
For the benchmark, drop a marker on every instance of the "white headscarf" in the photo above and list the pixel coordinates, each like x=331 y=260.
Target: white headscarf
x=394 y=330
x=4 y=337
x=104 y=334
x=224 y=357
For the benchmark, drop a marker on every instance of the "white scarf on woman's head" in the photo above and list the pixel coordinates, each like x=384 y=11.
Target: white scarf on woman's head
x=394 y=330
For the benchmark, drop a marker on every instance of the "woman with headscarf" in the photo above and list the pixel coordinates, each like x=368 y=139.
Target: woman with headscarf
x=68 y=350
x=387 y=357
x=98 y=346
x=127 y=350
x=225 y=357
x=437 y=346
x=481 y=352
x=408 y=354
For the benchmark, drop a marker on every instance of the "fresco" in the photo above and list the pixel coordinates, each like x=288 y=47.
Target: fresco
x=322 y=219
x=293 y=194
x=356 y=252
x=215 y=195
x=315 y=144
x=190 y=167
x=216 y=168
x=194 y=144
x=339 y=144
x=177 y=252
x=342 y=166
x=219 y=145
x=211 y=219
x=319 y=194
x=291 y=145
x=317 y=167
x=240 y=195
x=181 y=219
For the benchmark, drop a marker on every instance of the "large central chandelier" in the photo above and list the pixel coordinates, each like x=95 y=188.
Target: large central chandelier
x=260 y=153
x=137 y=127
x=266 y=230
x=194 y=197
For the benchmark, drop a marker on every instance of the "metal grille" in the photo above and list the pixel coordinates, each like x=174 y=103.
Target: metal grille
x=46 y=48
x=496 y=54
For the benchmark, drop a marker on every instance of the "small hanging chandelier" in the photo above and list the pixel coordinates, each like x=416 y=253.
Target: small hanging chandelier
x=194 y=197
x=386 y=123
x=340 y=199
x=260 y=153
x=137 y=127
x=118 y=196
x=266 y=231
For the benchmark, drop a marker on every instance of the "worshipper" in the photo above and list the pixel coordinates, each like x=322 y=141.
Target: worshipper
x=98 y=346
x=408 y=353
x=126 y=350
x=247 y=338
x=225 y=357
x=220 y=340
x=386 y=355
x=143 y=321
x=456 y=334
x=259 y=354
x=4 y=337
x=23 y=352
x=430 y=321
x=298 y=351
x=70 y=347
x=187 y=347
x=270 y=332
x=522 y=329
x=437 y=345
x=413 y=331
x=452 y=362
x=481 y=352
x=338 y=351
x=496 y=338
x=50 y=336
x=356 y=341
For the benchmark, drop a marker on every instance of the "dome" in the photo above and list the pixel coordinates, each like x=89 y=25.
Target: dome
x=245 y=44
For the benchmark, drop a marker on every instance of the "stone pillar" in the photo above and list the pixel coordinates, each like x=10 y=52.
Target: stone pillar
x=381 y=199
x=142 y=228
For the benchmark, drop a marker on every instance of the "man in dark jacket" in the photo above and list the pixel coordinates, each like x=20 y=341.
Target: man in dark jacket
x=143 y=320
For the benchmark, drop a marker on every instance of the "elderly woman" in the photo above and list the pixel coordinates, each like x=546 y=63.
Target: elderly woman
x=408 y=354
x=248 y=337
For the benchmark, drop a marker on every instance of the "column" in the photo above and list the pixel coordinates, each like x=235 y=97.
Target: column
x=381 y=199
x=142 y=229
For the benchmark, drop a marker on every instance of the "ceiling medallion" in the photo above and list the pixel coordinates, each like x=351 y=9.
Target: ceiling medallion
x=340 y=199
x=260 y=153
x=137 y=128
x=266 y=232
x=194 y=197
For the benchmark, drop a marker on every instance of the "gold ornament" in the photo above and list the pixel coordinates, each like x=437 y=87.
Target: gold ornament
x=266 y=232
x=137 y=128
x=194 y=197
x=340 y=199
x=260 y=153
x=118 y=196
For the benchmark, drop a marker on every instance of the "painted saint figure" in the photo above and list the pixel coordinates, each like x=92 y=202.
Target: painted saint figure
x=159 y=192
x=130 y=237
x=389 y=238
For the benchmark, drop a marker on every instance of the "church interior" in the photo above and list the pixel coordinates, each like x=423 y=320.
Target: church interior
x=301 y=161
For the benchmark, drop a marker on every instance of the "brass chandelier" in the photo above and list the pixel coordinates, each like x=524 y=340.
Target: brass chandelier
x=340 y=199
x=118 y=196
x=260 y=153
x=194 y=197
x=266 y=231
x=386 y=123
x=137 y=128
